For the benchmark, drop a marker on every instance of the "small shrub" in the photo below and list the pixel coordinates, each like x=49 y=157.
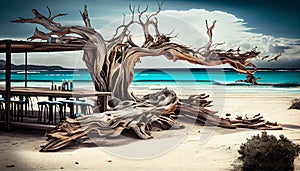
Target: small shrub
x=267 y=153
x=295 y=104
x=236 y=165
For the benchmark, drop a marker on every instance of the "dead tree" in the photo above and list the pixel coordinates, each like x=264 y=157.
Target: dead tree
x=111 y=63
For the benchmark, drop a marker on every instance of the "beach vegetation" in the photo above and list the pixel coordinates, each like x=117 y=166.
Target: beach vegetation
x=266 y=152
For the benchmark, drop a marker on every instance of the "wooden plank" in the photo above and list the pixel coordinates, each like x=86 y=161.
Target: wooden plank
x=7 y=84
x=105 y=103
x=26 y=69
x=53 y=93
x=25 y=46
x=33 y=125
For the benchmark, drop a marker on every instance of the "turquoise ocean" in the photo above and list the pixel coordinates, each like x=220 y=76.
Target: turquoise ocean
x=268 y=79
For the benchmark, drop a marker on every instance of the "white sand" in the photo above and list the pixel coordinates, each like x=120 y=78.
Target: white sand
x=216 y=150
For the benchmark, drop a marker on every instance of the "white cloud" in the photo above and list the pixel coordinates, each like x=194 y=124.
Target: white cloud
x=235 y=33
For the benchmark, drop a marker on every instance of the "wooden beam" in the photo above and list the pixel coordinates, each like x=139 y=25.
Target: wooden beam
x=8 y=84
x=26 y=69
x=24 y=46
x=33 y=126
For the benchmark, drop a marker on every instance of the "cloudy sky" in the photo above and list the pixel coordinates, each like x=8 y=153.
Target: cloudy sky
x=273 y=26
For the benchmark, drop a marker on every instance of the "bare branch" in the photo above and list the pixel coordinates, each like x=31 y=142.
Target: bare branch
x=49 y=12
x=217 y=44
x=119 y=38
x=168 y=34
x=275 y=58
x=25 y=20
x=132 y=11
x=155 y=24
x=38 y=35
x=52 y=18
x=44 y=36
x=145 y=26
x=198 y=50
x=124 y=15
x=158 y=11
x=40 y=19
x=129 y=40
x=176 y=35
x=58 y=15
x=142 y=12
x=209 y=33
x=85 y=17
x=265 y=57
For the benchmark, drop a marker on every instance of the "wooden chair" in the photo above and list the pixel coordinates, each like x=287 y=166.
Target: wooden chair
x=48 y=110
x=17 y=109
x=2 y=110
x=73 y=104
x=84 y=108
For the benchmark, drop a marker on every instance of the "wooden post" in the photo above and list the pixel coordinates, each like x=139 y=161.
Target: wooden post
x=26 y=69
x=8 y=84
x=105 y=103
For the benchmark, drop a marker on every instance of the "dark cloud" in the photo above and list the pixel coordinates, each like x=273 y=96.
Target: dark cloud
x=278 y=18
x=282 y=63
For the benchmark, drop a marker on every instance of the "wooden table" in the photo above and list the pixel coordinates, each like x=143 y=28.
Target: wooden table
x=46 y=92
x=38 y=91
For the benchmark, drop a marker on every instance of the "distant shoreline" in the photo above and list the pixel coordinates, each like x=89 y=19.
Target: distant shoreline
x=54 y=68
x=18 y=68
x=183 y=76
x=275 y=85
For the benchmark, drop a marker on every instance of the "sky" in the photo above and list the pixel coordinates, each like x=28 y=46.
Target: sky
x=273 y=26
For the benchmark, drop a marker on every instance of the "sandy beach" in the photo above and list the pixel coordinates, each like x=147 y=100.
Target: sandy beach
x=193 y=148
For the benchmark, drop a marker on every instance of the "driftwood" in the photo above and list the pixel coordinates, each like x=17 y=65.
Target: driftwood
x=256 y=122
x=111 y=62
x=154 y=112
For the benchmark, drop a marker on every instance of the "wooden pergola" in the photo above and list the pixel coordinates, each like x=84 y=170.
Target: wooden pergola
x=11 y=46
